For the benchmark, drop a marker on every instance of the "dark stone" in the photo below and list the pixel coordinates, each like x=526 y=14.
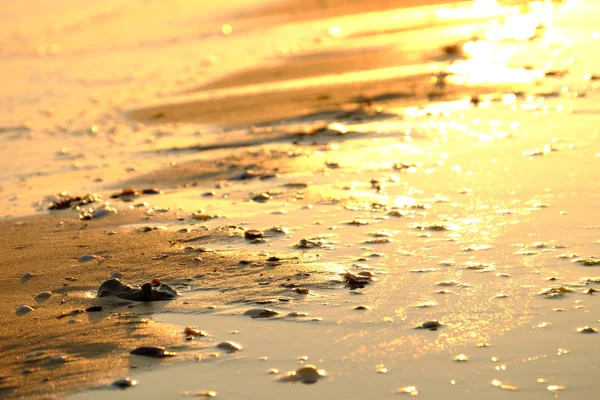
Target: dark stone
x=252 y=234
x=154 y=352
x=114 y=287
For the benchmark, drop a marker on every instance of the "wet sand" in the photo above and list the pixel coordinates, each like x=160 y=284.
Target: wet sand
x=424 y=200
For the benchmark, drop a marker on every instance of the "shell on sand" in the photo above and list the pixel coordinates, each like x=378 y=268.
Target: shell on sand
x=229 y=346
x=87 y=257
x=26 y=276
x=23 y=309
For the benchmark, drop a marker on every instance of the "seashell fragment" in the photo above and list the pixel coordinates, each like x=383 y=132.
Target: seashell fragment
x=586 y=329
x=229 y=346
x=410 y=390
x=23 y=309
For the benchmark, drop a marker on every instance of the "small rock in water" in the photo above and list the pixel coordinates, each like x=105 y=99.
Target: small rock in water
x=252 y=234
x=501 y=385
x=261 y=198
x=205 y=393
x=261 y=313
x=431 y=325
x=124 y=383
x=587 y=329
x=23 y=309
x=297 y=314
x=410 y=390
x=154 y=352
x=308 y=374
x=26 y=276
x=356 y=281
x=229 y=346
x=555 y=388
x=190 y=330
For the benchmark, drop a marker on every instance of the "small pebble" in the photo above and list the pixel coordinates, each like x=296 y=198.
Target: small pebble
x=308 y=374
x=431 y=325
x=124 y=383
x=252 y=234
x=261 y=198
x=154 y=352
x=190 y=330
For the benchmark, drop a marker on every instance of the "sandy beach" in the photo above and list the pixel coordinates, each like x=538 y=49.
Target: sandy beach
x=358 y=200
